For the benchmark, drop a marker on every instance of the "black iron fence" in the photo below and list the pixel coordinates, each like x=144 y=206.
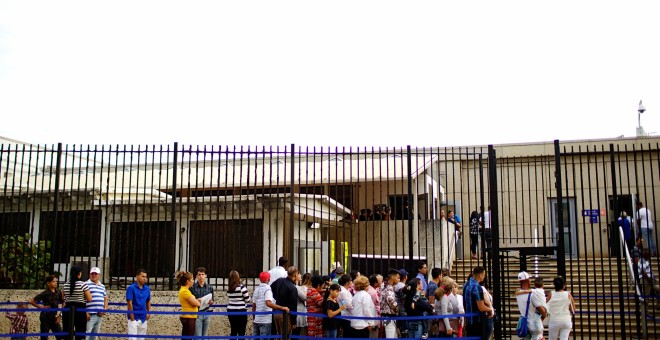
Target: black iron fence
x=554 y=211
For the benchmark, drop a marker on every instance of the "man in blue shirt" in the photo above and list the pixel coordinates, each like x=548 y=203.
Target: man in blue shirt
x=473 y=301
x=138 y=299
x=422 y=269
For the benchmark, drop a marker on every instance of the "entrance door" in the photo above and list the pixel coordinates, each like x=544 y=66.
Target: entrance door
x=567 y=225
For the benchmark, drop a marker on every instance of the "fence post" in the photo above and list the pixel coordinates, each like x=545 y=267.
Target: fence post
x=72 y=322
x=285 y=325
x=615 y=230
x=173 y=208
x=561 y=251
x=411 y=213
x=292 y=211
x=495 y=243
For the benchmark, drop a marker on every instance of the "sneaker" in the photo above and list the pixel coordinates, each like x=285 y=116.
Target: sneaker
x=425 y=336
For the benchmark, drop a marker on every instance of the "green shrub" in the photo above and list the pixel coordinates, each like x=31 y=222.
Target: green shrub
x=24 y=264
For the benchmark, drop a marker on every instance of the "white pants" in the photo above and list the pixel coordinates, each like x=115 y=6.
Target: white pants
x=559 y=330
x=390 y=330
x=138 y=328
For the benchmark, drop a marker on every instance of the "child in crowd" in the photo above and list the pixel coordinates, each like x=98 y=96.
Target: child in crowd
x=332 y=308
x=19 y=322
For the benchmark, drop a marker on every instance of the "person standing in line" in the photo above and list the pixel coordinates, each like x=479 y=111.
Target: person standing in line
x=649 y=282
x=346 y=299
x=238 y=297
x=314 y=303
x=485 y=222
x=474 y=234
x=455 y=221
x=304 y=283
x=363 y=306
x=279 y=271
x=561 y=308
x=422 y=270
x=536 y=304
x=188 y=304
x=19 y=322
x=400 y=300
x=99 y=302
x=389 y=308
x=138 y=301
x=200 y=289
x=645 y=222
x=263 y=302
x=286 y=295
x=332 y=308
x=624 y=223
x=373 y=291
x=76 y=296
x=51 y=297
x=436 y=276
x=473 y=300
x=447 y=327
x=416 y=305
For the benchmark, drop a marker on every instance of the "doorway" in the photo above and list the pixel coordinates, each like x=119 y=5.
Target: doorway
x=568 y=226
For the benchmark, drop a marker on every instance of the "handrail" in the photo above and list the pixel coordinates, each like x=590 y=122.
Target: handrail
x=624 y=252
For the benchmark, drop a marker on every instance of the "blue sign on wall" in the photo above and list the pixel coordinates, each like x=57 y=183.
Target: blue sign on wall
x=593 y=219
x=591 y=212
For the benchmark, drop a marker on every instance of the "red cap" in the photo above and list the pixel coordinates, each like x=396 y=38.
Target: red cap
x=264 y=276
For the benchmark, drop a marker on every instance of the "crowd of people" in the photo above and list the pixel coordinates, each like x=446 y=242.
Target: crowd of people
x=336 y=305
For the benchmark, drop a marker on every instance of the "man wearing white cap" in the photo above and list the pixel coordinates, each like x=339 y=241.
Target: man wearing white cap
x=535 y=304
x=99 y=302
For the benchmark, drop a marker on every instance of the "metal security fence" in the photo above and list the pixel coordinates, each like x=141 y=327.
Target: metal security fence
x=175 y=207
x=554 y=211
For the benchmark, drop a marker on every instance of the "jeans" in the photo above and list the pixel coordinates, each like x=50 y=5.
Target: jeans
x=414 y=329
x=649 y=239
x=93 y=325
x=262 y=329
x=202 y=325
x=331 y=333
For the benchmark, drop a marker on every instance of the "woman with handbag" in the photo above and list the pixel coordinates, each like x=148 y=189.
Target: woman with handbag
x=447 y=326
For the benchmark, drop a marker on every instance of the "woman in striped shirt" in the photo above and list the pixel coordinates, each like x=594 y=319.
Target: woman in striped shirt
x=76 y=294
x=238 y=297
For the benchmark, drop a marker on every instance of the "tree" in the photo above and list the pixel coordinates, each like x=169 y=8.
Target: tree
x=24 y=264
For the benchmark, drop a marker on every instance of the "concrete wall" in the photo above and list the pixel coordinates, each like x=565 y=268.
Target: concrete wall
x=116 y=323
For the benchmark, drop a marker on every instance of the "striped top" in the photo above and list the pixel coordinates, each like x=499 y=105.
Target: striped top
x=238 y=298
x=78 y=295
x=98 y=295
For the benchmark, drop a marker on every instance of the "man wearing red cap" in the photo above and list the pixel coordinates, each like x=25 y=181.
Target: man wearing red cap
x=264 y=302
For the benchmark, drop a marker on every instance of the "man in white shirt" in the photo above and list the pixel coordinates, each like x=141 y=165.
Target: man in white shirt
x=264 y=302
x=645 y=222
x=99 y=302
x=279 y=271
x=535 y=304
x=485 y=223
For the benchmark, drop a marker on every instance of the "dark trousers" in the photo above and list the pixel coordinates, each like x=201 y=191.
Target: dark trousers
x=48 y=323
x=237 y=324
x=188 y=326
x=487 y=240
x=79 y=319
x=481 y=328
x=360 y=333
x=347 y=330
x=474 y=242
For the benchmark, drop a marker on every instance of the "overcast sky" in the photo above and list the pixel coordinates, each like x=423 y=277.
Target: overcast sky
x=331 y=73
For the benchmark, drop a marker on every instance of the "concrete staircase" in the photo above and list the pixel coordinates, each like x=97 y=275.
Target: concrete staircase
x=595 y=287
